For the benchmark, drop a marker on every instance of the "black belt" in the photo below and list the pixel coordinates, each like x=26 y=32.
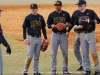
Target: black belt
x=86 y=31
x=59 y=32
x=35 y=36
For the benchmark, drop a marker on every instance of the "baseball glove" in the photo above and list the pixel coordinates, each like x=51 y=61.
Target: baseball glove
x=84 y=20
x=44 y=46
x=60 y=26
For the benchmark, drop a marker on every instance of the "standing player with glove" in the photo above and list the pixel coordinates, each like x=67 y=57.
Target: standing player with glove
x=58 y=20
x=34 y=22
x=4 y=42
x=86 y=20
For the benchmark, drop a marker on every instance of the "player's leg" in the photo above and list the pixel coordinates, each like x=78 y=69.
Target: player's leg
x=64 y=49
x=92 y=46
x=31 y=48
x=36 y=55
x=76 y=48
x=85 y=52
x=54 y=49
x=1 y=62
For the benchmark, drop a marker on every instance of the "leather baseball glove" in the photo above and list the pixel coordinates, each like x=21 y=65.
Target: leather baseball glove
x=44 y=46
x=60 y=26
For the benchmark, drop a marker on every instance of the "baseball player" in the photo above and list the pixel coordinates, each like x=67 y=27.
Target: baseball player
x=33 y=23
x=76 y=43
x=86 y=20
x=4 y=42
x=59 y=37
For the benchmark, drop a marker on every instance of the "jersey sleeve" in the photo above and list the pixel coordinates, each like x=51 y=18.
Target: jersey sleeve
x=68 y=18
x=43 y=28
x=71 y=21
x=25 y=23
x=95 y=16
x=49 y=21
x=3 y=41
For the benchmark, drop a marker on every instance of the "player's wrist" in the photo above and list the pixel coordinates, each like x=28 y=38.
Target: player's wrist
x=75 y=26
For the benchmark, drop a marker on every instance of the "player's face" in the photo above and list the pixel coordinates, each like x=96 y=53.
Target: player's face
x=58 y=8
x=81 y=7
x=34 y=11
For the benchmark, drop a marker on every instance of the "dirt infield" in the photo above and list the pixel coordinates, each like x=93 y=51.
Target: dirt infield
x=13 y=17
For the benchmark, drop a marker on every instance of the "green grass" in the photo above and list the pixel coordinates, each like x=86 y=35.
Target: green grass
x=14 y=63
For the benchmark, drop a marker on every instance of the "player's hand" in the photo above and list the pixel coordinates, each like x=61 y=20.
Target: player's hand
x=46 y=40
x=53 y=26
x=8 y=50
x=95 y=21
x=26 y=41
x=67 y=34
x=78 y=27
x=68 y=25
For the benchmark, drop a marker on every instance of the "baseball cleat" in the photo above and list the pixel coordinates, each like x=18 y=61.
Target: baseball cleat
x=54 y=72
x=37 y=74
x=87 y=73
x=66 y=72
x=80 y=68
x=97 y=73
x=25 y=73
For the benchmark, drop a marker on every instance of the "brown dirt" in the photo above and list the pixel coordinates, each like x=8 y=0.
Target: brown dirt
x=13 y=17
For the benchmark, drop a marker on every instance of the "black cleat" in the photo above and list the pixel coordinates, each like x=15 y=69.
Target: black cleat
x=37 y=74
x=87 y=73
x=54 y=72
x=25 y=73
x=97 y=73
x=80 y=68
x=66 y=72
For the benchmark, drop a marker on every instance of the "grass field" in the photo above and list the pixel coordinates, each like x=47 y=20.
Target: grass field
x=12 y=19
x=14 y=63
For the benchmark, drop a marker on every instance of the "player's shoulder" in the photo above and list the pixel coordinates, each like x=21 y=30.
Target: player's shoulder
x=76 y=11
x=28 y=15
x=40 y=16
x=65 y=12
x=90 y=10
x=52 y=13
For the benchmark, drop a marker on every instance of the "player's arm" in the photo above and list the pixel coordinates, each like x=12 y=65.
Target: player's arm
x=50 y=22
x=44 y=28
x=68 y=24
x=5 y=43
x=25 y=25
x=72 y=25
x=75 y=23
x=95 y=18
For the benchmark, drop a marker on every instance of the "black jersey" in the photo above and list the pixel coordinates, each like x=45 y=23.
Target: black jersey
x=56 y=17
x=34 y=23
x=72 y=20
x=90 y=14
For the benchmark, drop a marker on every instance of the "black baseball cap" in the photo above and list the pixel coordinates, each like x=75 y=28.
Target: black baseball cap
x=34 y=6
x=1 y=10
x=58 y=3
x=81 y=2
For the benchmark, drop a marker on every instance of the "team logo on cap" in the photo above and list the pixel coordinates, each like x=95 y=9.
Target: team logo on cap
x=56 y=3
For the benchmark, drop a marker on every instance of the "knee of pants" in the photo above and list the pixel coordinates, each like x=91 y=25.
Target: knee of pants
x=36 y=57
x=65 y=54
